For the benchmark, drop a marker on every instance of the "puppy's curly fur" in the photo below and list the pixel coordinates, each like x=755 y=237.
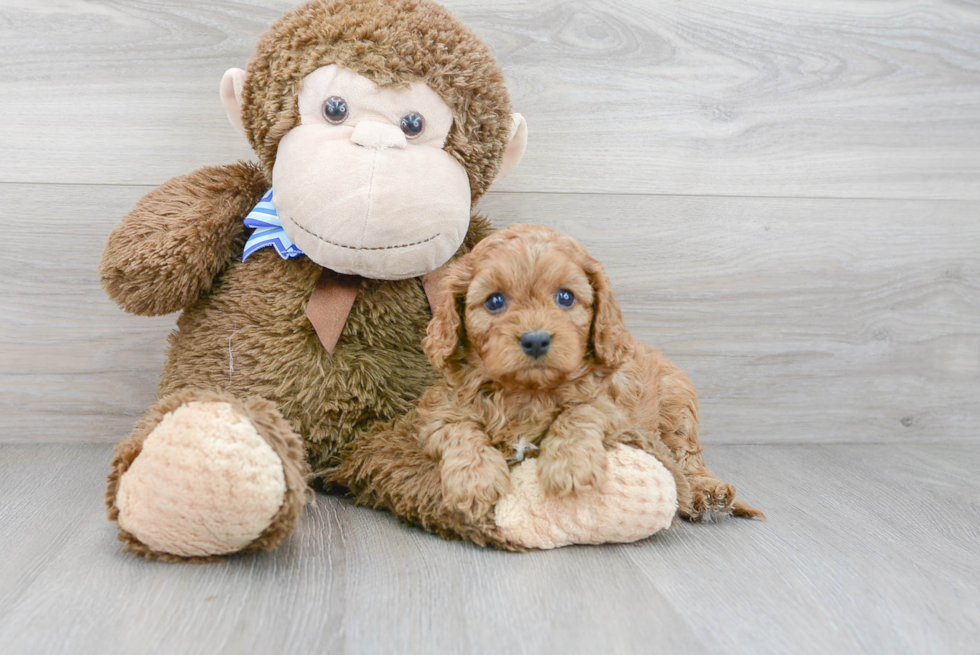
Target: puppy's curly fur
x=593 y=385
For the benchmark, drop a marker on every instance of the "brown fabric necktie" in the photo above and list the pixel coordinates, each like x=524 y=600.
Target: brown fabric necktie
x=330 y=304
x=333 y=297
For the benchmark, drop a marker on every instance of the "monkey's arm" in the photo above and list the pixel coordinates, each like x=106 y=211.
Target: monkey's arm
x=178 y=237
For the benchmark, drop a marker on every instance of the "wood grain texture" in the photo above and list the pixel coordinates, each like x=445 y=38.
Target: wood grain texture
x=72 y=364
x=798 y=319
x=868 y=549
x=816 y=99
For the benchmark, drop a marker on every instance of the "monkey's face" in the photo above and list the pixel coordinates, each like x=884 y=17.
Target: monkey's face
x=375 y=180
x=363 y=186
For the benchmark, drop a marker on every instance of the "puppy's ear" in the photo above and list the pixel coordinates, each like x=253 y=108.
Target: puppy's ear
x=610 y=340
x=445 y=338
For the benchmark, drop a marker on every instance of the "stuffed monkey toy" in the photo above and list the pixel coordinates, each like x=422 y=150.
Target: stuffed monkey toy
x=305 y=280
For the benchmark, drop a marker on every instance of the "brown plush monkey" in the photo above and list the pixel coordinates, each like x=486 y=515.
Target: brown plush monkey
x=377 y=125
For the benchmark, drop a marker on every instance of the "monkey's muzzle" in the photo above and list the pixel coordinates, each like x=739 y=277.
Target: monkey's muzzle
x=385 y=213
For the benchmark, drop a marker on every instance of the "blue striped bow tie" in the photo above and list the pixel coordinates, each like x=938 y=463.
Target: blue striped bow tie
x=268 y=230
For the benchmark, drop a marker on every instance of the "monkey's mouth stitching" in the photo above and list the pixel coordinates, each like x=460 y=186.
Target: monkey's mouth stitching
x=341 y=245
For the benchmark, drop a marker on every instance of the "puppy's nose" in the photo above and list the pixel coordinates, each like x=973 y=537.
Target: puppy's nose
x=535 y=343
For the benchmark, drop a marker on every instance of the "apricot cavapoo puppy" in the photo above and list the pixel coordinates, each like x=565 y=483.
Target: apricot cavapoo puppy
x=537 y=361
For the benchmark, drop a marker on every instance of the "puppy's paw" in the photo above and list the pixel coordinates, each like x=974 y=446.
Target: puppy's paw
x=569 y=470
x=743 y=510
x=473 y=484
x=710 y=496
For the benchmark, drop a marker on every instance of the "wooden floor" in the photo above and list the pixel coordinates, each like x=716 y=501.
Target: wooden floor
x=787 y=198
x=867 y=549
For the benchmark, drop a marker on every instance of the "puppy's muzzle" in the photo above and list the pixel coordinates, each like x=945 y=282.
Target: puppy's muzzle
x=536 y=343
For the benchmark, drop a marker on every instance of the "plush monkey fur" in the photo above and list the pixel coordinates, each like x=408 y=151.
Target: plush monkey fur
x=243 y=340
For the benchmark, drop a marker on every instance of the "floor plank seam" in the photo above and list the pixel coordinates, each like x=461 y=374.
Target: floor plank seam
x=618 y=194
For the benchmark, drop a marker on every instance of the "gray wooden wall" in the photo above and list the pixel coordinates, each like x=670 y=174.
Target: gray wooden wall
x=786 y=195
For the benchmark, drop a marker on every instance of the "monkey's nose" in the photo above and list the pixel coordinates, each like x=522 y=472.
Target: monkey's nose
x=372 y=134
x=535 y=343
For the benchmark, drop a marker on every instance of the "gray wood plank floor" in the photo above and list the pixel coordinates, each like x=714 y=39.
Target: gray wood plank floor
x=867 y=549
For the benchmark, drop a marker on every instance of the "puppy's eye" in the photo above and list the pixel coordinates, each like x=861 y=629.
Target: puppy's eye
x=565 y=298
x=496 y=303
x=412 y=124
x=335 y=110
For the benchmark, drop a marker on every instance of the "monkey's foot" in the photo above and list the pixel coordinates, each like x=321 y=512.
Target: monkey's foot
x=638 y=498
x=207 y=475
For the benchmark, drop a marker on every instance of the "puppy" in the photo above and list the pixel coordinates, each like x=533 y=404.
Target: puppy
x=536 y=360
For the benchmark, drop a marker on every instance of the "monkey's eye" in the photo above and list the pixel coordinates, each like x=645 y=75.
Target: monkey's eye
x=565 y=298
x=496 y=303
x=412 y=124
x=335 y=110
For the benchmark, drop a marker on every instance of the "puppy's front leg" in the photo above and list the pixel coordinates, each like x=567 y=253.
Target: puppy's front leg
x=474 y=473
x=573 y=457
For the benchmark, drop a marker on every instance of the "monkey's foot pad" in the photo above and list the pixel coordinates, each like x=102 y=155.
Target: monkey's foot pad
x=638 y=499
x=205 y=483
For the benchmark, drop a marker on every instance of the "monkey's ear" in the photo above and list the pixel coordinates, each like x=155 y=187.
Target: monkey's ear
x=232 y=83
x=516 y=147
